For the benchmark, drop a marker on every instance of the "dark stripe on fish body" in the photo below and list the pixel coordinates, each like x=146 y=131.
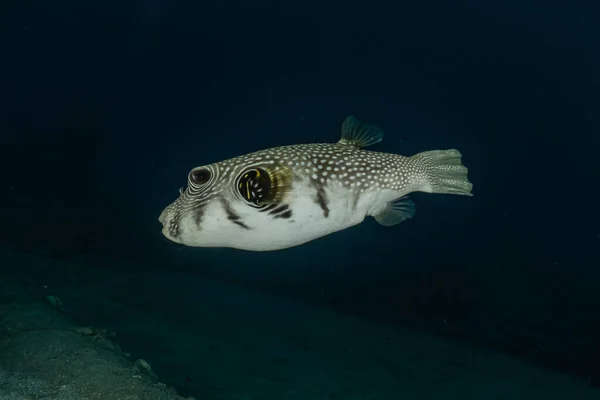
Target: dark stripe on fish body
x=288 y=214
x=240 y=223
x=279 y=209
x=175 y=232
x=198 y=217
x=232 y=216
x=322 y=201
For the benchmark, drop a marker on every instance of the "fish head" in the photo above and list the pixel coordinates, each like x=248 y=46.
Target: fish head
x=221 y=205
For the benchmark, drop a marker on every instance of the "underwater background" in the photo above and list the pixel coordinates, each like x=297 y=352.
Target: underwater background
x=106 y=107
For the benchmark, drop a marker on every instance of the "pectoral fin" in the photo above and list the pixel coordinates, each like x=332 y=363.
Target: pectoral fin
x=396 y=211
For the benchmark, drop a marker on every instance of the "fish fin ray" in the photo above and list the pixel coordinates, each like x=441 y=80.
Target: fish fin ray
x=280 y=184
x=265 y=185
x=445 y=171
x=396 y=211
x=359 y=134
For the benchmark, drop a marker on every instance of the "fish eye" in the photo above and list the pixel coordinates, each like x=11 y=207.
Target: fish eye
x=200 y=176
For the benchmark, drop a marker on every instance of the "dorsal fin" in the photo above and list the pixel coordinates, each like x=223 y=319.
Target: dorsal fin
x=359 y=134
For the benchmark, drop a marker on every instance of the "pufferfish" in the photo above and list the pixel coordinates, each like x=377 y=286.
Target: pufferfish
x=286 y=196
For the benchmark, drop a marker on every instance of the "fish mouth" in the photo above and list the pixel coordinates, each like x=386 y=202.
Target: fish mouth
x=164 y=219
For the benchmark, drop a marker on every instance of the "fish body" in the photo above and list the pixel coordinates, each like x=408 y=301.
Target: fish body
x=286 y=196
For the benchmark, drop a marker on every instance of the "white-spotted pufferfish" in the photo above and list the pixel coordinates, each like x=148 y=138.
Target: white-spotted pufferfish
x=286 y=196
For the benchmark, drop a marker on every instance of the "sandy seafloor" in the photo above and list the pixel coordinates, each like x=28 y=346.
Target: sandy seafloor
x=213 y=340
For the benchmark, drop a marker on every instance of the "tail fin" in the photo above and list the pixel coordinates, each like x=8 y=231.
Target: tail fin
x=445 y=172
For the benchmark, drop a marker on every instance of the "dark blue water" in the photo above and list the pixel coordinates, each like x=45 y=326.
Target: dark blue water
x=106 y=106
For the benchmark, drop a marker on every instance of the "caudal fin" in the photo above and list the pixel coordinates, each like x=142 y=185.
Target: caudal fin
x=445 y=172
